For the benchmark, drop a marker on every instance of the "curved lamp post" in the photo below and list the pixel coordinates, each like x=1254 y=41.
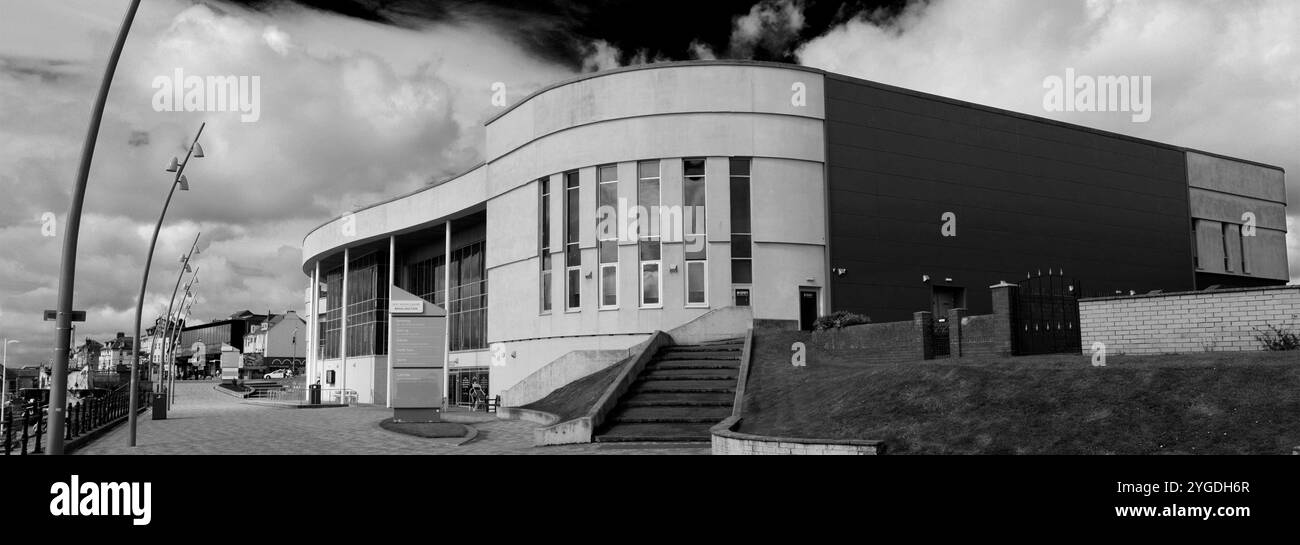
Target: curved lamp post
x=179 y=168
x=185 y=267
x=68 y=261
x=174 y=333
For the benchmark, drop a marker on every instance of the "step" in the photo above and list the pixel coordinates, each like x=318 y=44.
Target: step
x=678 y=399
x=704 y=386
x=676 y=356
x=693 y=364
x=689 y=374
x=670 y=432
x=704 y=348
x=699 y=415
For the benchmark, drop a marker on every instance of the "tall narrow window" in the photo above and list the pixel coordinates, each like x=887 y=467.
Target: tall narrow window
x=1196 y=250
x=647 y=222
x=572 y=254
x=742 y=238
x=607 y=234
x=544 y=251
x=1227 y=255
x=1241 y=235
x=694 y=238
x=367 y=305
x=331 y=316
x=467 y=304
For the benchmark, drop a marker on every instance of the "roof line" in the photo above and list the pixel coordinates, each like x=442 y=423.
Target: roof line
x=652 y=66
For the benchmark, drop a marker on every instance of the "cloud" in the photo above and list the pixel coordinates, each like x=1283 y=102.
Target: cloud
x=351 y=113
x=1223 y=80
x=771 y=26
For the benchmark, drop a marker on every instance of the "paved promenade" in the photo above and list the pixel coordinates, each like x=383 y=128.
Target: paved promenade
x=204 y=421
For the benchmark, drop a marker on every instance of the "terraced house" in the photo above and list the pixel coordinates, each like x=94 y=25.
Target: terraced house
x=780 y=193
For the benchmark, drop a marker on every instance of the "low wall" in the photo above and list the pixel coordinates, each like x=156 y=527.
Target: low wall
x=574 y=362
x=876 y=343
x=1199 y=321
x=980 y=335
x=727 y=442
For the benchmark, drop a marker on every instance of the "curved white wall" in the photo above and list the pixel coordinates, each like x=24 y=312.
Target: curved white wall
x=667 y=112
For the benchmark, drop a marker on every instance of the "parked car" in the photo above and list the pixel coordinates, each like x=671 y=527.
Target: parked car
x=279 y=373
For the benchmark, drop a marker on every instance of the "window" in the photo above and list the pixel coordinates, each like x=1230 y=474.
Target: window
x=742 y=238
x=467 y=303
x=367 y=305
x=1241 y=235
x=331 y=317
x=607 y=234
x=693 y=235
x=696 y=282
x=1196 y=250
x=427 y=278
x=572 y=254
x=544 y=244
x=1227 y=256
x=647 y=200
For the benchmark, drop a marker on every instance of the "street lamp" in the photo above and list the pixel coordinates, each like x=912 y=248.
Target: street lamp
x=71 y=232
x=4 y=377
x=185 y=267
x=179 y=180
x=174 y=333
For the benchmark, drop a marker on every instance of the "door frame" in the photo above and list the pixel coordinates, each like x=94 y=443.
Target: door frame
x=817 y=311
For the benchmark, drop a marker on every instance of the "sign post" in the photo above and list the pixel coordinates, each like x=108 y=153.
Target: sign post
x=417 y=354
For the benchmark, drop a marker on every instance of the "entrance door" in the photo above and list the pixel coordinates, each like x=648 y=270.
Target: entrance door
x=943 y=299
x=807 y=308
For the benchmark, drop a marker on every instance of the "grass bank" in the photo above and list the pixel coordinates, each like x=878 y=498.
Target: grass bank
x=1204 y=403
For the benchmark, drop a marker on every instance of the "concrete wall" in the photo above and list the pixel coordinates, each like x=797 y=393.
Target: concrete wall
x=1218 y=321
x=732 y=443
x=1221 y=192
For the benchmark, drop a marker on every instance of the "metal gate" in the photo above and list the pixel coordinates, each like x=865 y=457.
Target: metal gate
x=1047 y=314
x=939 y=331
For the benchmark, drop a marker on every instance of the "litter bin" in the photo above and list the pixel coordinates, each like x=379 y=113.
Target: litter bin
x=313 y=394
x=160 y=407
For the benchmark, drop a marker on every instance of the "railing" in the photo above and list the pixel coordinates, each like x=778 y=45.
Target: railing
x=82 y=417
x=338 y=395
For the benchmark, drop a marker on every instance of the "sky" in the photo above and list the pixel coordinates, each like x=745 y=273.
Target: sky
x=359 y=103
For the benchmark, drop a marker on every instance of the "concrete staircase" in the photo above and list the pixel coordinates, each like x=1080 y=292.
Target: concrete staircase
x=680 y=394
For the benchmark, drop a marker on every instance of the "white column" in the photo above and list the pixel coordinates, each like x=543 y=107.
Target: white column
x=313 y=328
x=392 y=275
x=343 y=331
x=446 y=306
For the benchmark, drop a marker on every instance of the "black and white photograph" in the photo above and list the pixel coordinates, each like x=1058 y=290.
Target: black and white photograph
x=1053 y=231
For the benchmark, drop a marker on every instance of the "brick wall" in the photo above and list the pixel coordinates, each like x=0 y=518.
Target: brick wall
x=985 y=334
x=1218 y=321
x=877 y=343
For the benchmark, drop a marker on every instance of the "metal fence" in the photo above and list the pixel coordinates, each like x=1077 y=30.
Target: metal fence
x=27 y=431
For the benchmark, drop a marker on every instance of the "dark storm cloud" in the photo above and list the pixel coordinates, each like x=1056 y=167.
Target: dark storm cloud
x=563 y=31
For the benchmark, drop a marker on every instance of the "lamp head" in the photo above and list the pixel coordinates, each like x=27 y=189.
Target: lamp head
x=175 y=164
x=198 y=150
x=185 y=184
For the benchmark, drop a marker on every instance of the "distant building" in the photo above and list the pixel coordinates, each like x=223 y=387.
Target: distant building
x=87 y=354
x=199 y=350
x=115 y=352
x=277 y=343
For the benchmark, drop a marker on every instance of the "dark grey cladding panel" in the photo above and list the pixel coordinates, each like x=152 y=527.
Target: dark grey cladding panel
x=1028 y=195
